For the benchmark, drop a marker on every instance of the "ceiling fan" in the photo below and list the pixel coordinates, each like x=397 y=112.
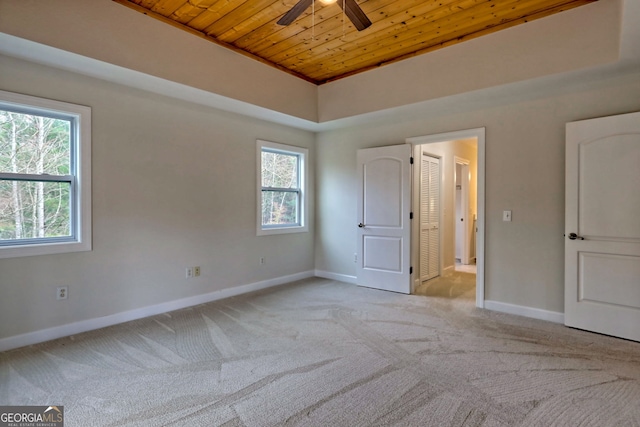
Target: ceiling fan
x=350 y=7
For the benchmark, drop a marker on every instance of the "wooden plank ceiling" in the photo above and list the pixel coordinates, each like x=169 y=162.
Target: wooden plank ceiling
x=322 y=45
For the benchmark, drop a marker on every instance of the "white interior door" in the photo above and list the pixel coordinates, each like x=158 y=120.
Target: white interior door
x=429 y=217
x=384 y=226
x=602 y=225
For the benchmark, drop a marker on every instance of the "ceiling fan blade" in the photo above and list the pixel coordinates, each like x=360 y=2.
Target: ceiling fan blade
x=294 y=12
x=355 y=14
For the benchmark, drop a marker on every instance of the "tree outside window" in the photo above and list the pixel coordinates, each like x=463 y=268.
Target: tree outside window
x=45 y=176
x=281 y=188
x=31 y=147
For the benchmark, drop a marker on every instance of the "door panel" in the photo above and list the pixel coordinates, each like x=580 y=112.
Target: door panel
x=383 y=253
x=384 y=204
x=604 y=163
x=382 y=193
x=596 y=269
x=602 y=261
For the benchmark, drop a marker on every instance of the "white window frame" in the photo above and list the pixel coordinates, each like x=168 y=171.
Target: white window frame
x=302 y=154
x=80 y=117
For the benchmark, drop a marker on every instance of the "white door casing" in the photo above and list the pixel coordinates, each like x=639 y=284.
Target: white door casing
x=384 y=225
x=602 y=225
x=459 y=222
x=479 y=135
x=429 y=217
x=462 y=223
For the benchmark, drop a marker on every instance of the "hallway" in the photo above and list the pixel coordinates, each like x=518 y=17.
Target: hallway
x=453 y=283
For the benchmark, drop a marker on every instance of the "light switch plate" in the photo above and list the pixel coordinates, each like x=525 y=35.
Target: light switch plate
x=506 y=216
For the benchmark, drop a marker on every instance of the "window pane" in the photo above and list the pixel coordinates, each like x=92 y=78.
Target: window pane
x=279 y=170
x=30 y=210
x=280 y=208
x=34 y=144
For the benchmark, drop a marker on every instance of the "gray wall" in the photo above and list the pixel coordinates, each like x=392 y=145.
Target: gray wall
x=524 y=173
x=579 y=38
x=174 y=185
x=114 y=34
x=161 y=166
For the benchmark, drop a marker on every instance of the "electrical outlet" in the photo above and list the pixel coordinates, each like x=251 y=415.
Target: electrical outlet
x=262 y=260
x=355 y=257
x=189 y=272
x=62 y=292
x=196 y=271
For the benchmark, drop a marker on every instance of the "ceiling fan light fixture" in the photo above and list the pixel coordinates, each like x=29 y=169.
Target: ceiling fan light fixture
x=350 y=9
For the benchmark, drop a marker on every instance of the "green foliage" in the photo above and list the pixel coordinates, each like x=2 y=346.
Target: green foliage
x=34 y=145
x=280 y=171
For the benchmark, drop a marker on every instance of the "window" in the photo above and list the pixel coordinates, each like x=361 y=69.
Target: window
x=45 y=176
x=281 y=188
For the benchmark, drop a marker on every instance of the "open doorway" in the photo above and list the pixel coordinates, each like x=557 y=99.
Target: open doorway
x=460 y=224
x=465 y=210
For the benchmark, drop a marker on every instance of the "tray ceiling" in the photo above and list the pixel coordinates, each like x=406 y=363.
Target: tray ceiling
x=322 y=44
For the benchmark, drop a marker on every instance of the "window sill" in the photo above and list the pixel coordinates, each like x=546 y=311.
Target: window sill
x=282 y=230
x=43 y=249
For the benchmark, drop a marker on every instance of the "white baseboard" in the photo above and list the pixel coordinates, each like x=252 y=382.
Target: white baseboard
x=336 y=276
x=48 y=334
x=520 y=310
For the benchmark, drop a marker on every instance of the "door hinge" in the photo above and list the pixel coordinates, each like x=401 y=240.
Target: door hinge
x=411 y=160
x=410 y=270
x=410 y=215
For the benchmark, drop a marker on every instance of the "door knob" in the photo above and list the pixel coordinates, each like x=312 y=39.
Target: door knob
x=574 y=236
x=361 y=225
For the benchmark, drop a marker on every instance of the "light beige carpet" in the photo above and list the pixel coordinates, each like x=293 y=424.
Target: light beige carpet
x=451 y=284
x=323 y=353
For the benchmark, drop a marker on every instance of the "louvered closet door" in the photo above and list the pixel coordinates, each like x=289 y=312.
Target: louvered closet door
x=429 y=217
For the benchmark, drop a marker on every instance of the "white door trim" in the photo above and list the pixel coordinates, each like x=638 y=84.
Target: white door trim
x=479 y=135
x=464 y=256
